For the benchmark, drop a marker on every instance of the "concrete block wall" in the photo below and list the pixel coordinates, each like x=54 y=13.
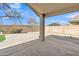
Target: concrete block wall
x=69 y=29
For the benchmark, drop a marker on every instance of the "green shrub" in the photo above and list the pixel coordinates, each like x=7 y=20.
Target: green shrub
x=16 y=31
x=1 y=30
x=2 y=38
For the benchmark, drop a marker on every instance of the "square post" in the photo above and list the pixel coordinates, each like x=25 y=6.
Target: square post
x=42 y=27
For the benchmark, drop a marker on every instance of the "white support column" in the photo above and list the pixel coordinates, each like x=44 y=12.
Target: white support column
x=42 y=27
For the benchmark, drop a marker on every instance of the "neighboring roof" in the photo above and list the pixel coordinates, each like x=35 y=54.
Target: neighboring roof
x=75 y=19
x=51 y=9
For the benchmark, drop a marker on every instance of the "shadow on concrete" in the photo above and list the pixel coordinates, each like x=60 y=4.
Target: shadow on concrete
x=67 y=38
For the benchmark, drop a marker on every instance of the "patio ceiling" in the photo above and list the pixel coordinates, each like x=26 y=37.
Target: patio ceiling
x=52 y=9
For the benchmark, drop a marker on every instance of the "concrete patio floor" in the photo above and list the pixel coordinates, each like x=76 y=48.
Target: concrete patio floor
x=53 y=46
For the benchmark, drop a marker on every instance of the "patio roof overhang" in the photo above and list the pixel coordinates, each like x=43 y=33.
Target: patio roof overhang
x=51 y=9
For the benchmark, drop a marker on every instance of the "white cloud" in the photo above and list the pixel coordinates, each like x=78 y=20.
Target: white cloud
x=15 y=5
x=73 y=15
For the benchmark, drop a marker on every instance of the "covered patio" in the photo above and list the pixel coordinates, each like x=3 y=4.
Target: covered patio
x=44 y=10
x=52 y=45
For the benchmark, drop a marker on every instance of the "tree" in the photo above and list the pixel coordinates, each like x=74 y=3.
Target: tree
x=31 y=21
x=13 y=15
x=54 y=24
x=10 y=13
x=32 y=24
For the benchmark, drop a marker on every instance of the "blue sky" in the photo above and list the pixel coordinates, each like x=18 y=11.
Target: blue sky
x=26 y=12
